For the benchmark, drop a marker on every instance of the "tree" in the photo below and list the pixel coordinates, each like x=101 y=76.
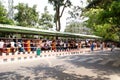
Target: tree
x=75 y=21
x=3 y=16
x=77 y=27
x=26 y=16
x=104 y=18
x=58 y=4
x=46 y=19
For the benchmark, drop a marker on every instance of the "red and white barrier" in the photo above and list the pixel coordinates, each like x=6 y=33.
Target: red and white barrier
x=22 y=56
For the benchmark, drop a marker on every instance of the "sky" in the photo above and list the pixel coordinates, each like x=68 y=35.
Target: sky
x=42 y=3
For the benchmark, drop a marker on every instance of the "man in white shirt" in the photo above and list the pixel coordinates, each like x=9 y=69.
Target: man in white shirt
x=1 y=46
x=12 y=45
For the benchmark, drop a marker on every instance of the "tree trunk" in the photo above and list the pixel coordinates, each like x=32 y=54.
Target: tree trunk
x=58 y=25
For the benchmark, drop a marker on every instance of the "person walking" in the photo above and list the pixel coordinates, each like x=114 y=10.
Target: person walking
x=92 y=46
x=112 y=46
x=101 y=46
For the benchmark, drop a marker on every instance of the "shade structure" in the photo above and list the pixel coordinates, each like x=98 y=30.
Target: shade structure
x=35 y=31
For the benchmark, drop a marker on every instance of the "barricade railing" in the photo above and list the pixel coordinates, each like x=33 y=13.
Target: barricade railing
x=22 y=56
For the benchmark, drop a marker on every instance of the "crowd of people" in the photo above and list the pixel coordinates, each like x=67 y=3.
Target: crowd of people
x=23 y=45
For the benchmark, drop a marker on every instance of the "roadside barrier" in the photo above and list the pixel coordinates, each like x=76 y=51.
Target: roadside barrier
x=22 y=56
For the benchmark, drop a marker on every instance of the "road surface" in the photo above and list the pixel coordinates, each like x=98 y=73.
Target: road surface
x=85 y=66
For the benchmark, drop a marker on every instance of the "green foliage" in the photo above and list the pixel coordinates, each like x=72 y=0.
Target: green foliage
x=3 y=16
x=75 y=12
x=26 y=16
x=46 y=19
x=77 y=27
x=72 y=27
x=104 y=19
x=58 y=4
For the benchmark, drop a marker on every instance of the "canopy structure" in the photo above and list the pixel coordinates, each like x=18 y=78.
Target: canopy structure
x=34 y=31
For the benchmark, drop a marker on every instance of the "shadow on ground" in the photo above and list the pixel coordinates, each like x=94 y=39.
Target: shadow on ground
x=45 y=72
x=55 y=73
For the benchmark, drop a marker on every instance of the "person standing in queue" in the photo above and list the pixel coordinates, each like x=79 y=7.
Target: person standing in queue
x=1 y=46
x=39 y=45
x=79 y=45
x=53 y=44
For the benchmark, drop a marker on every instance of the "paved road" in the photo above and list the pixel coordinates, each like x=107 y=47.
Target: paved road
x=89 y=66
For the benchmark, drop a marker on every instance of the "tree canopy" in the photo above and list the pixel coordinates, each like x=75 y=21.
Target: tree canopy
x=77 y=27
x=104 y=18
x=3 y=16
x=58 y=4
x=26 y=16
x=46 y=19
